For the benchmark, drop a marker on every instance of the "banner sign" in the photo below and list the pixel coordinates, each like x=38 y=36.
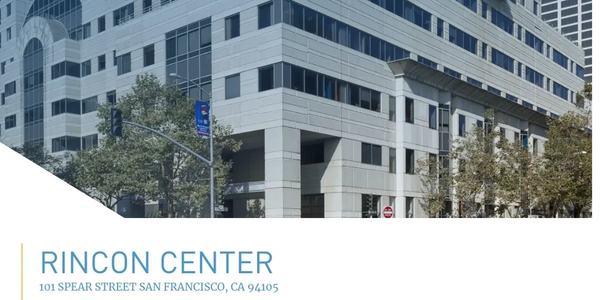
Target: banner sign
x=202 y=119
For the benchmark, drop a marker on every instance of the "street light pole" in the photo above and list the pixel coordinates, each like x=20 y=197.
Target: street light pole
x=211 y=159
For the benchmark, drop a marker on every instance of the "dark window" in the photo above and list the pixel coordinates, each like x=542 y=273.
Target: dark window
x=484 y=51
x=484 y=9
x=392 y=167
x=124 y=64
x=111 y=97
x=232 y=86
x=86 y=68
x=560 y=59
x=432 y=117
x=409 y=113
x=494 y=90
x=101 y=62
x=371 y=154
x=123 y=14
x=502 y=60
x=8 y=9
x=66 y=143
x=147 y=6
x=410 y=161
x=534 y=77
x=370 y=206
x=452 y=73
x=149 y=55
x=470 y=4
x=502 y=21
x=114 y=58
x=265 y=79
x=89 y=141
x=3 y=99
x=462 y=39
x=89 y=105
x=534 y=42
x=232 y=27
x=561 y=91
x=10 y=122
x=328 y=28
x=310 y=80
x=312 y=154
x=312 y=206
x=69 y=106
x=265 y=15
x=392 y=115
x=440 y=28
x=514 y=99
x=432 y=163
x=73 y=69
x=87 y=30
x=462 y=126
x=519 y=69
x=10 y=88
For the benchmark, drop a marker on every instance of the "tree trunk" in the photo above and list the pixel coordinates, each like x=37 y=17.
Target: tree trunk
x=577 y=211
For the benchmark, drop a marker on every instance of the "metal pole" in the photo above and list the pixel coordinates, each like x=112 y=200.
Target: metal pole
x=212 y=161
x=170 y=140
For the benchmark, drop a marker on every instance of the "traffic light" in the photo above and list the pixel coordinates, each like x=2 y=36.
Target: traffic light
x=116 y=122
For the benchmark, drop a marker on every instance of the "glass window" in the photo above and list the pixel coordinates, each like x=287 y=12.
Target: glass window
x=432 y=117
x=101 y=62
x=371 y=154
x=461 y=125
x=265 y=78
x=409 y=110
x=232 y=86
x=149 y=55
x=410 y=161
x=232 y=27
x=265 y=15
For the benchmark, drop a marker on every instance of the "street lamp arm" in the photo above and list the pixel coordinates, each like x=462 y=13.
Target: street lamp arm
x=199 y=87
x=170 y=140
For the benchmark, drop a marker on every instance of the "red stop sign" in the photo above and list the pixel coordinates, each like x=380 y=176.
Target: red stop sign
x=388 y=212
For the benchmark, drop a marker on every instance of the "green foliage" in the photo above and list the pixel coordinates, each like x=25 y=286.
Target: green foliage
x=39 y=155
x=143 y=163
x=565 y=173
x=436 y=185
x=586 y=93
x=477 y=172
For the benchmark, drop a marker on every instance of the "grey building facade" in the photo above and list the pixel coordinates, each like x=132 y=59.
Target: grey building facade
x=334 y=101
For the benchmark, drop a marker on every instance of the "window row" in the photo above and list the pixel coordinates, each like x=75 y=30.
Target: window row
x=408 y=11
x=328 y=28
x=310 y=82
x=463 y=40
x=73 y=143
x=371 y=154
x=76 y=107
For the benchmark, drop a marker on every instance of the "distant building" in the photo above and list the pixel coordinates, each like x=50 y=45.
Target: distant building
x=573 y=18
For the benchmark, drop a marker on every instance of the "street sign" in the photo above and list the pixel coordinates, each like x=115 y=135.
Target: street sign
x=388 y=212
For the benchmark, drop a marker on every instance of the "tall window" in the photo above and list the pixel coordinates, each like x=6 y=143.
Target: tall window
x=440 y=28
x=86 y=68
x=33 y=92
x=461 y=125
x=124 y=64
x=101 y=62
x=101 y=24
x=392 y=109
x=410 y=161
x=393 y=160
x=111 y=97
x=409 y=110
x=370 y=205
x=149 y=55
x=432 y=117
x=265 y=15
x=232 y=86
x=410 y=208
x=232 y=27
x=371 y=154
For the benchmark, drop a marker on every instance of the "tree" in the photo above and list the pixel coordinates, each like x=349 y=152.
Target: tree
x=514 y=165
x=585 y=94
x=57 y=165
x=476 y=173
x=145 y=164
x=436 y=184
x=37 y=154
x=565 y=177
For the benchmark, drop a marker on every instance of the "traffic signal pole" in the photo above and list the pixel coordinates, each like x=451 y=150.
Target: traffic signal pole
x=170 y=140
x=116 y=129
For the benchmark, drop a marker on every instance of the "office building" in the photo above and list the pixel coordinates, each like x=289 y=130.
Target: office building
x=334 y=101
x=572 y=18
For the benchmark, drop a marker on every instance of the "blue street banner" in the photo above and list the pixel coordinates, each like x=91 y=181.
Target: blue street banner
x=202 y=118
